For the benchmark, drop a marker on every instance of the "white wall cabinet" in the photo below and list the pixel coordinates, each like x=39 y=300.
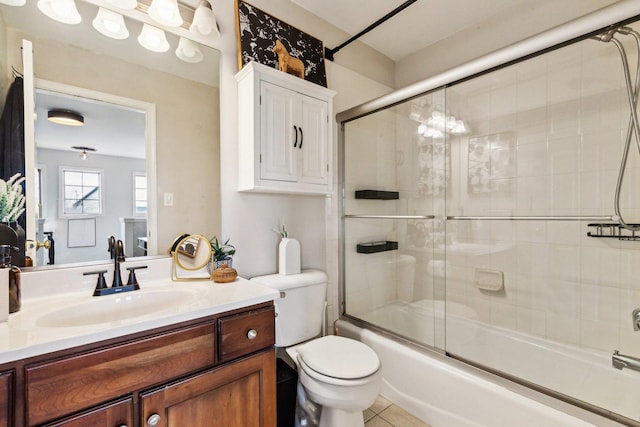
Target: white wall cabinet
x=285 y=133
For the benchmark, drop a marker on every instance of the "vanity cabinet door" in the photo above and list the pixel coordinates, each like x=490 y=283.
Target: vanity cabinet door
x=5 y=399
x=116 y=414
x=238 y=394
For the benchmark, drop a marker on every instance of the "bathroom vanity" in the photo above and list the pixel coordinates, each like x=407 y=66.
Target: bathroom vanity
x=209 y=359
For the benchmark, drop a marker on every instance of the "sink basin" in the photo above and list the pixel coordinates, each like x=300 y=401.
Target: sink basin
x=113 y=308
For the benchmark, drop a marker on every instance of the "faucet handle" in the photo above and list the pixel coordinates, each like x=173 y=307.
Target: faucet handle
x=102 y=283
x=132 y=276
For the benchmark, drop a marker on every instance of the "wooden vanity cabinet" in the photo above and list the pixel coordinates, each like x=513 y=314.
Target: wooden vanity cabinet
x=6 y=380
x=174 y=373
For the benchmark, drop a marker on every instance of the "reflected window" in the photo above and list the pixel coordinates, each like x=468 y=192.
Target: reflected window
x=81 y=192
x=139 y=194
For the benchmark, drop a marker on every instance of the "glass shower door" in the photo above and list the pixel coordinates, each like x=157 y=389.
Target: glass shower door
x=394 y=183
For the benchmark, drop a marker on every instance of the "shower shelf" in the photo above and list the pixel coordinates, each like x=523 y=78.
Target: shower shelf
x=377 y=194
x=374 y=247
x=613 y=230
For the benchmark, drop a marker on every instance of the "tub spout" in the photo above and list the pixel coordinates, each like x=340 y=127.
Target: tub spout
x=620 y=361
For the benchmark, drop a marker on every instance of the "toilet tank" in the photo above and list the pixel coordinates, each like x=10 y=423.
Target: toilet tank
x=300 y=308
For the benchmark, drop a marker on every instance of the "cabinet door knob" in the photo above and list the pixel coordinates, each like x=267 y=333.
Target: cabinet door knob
x=153 y=420
x=252 y=334
x=122 y=425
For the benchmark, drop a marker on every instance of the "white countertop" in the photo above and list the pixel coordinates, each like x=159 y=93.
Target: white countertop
x=32 y=330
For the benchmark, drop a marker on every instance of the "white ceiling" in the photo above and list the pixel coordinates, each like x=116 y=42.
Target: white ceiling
x=423 y=23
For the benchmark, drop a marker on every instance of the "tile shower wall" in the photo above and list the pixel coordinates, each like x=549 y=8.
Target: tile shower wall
x=546 y=138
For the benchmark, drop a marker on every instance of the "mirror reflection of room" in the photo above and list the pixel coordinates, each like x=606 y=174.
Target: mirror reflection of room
x=132 y=102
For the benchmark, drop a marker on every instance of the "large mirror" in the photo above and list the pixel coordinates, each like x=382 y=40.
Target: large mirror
x=144 y=167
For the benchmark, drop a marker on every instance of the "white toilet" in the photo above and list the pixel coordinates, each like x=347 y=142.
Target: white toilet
x=340 y=374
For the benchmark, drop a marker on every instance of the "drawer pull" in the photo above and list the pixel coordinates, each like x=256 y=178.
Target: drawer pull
x=252 y=334
x=153 y=420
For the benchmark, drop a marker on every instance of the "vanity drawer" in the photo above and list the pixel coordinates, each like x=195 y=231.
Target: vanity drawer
x=245 y=333
x=68 y=385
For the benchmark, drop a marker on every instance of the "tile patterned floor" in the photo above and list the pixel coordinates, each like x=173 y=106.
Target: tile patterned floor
x=383 y=413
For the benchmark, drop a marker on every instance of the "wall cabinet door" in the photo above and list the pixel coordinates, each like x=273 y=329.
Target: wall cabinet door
x=239 y=394
x=278 y=156
x=293 y=136
x=5 y=399
x=116 y=414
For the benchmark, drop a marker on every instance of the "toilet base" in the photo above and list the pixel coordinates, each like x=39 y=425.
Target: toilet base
x=333 y=417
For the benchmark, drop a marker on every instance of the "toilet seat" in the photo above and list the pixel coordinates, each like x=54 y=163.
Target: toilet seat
x=339 y=358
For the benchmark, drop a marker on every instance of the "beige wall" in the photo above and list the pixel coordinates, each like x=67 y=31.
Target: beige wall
x=187 y=128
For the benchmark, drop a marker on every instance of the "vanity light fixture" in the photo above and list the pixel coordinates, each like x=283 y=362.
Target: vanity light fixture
x=165 y=12
x=204 y=21
x=153 y=39
x=14 y=2
x=110 y=24
x=64 y=117
x=84 y=155
x=64 y=11
x=123 y=4
x=188 y=51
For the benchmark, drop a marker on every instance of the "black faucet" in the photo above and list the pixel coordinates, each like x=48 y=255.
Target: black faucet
x=116 y=248
x=118 y=257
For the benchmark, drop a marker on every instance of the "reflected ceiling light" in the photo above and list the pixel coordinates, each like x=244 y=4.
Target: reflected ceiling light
x=165 y=12
x=64 y=11
x=153 y=39
x=110 y=24
x=64 y=117
x=14 y=2
x=189 y=51
x=123 y=4
x=204 y=21
x=84 y=150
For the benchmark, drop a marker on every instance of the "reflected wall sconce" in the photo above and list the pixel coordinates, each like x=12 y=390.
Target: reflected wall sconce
x=110 y=24
x=64 y=11
x=14 y=2
x=204 y=21
x=84 y=155
x=64 y=117
x=123 y=4
x=188 y=51
x=165 y=12
x=153 y=39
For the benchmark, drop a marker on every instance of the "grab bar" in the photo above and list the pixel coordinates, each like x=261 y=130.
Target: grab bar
x=391 y=216
x=620 y=361
x=534 y=218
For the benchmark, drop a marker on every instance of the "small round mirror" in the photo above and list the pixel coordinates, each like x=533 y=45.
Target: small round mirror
x=191 y=257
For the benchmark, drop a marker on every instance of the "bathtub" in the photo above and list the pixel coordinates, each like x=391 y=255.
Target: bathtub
x=447 y=393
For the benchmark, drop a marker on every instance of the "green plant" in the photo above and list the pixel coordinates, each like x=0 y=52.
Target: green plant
x=11 y=198
x=283 y=233
x=221 y=251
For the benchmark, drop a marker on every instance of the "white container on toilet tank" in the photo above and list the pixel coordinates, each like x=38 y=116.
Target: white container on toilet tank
x=289 y=256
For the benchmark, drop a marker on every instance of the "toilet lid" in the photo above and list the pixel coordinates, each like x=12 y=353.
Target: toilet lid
x=339 y=357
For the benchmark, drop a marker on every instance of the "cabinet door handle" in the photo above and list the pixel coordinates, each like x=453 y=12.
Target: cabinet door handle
x=153 y=420
x=295 y=130
x=252 y=334
x=301 y=137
